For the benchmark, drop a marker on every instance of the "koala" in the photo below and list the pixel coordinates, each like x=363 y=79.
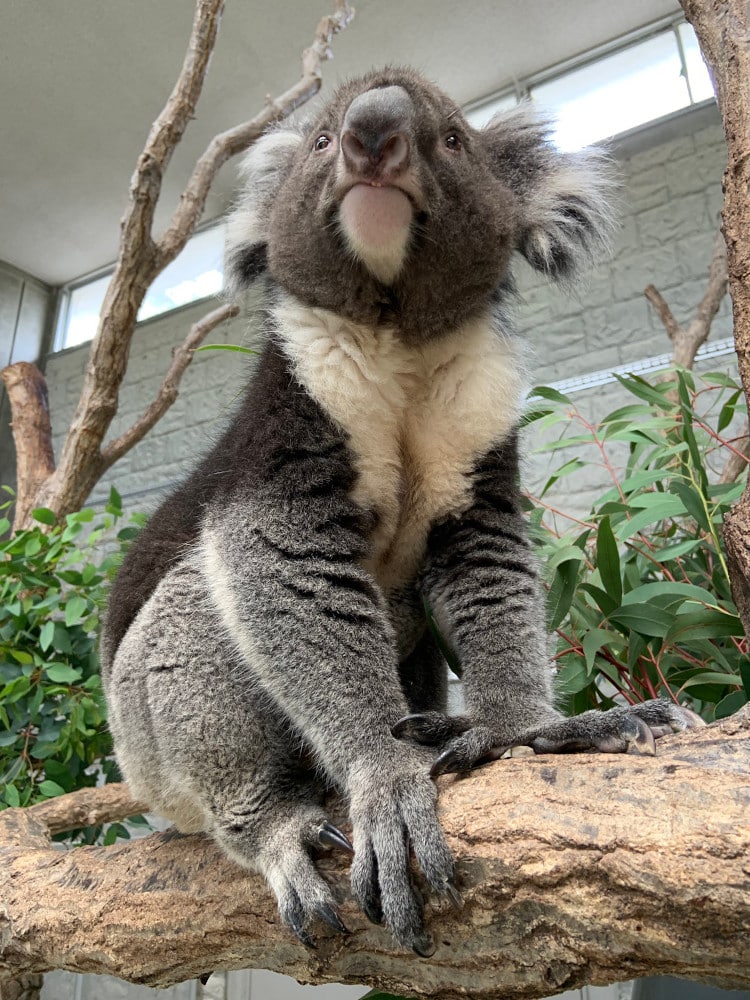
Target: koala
x=268 y=635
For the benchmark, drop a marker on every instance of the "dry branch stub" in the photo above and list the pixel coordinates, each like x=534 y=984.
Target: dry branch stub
x=574 y=869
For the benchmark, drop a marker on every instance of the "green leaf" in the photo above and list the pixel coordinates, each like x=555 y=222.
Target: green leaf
x=226 y=347
x=669 y=592
x=46 y=635
x=547 y=392
x=703 y=623
x=61 y=673
x=730 y=704
x=668 y=506
x=640 y=387
x=594 y=641
x=608 y=560
x=644 y=619
x=61 y=639
x=50 y=789
x=572 y=677
x=43 y=515
x=11 y=796
x=726 y=413
x=693 y=502
x=561 y=592
x=33 y=547
x=75 y=609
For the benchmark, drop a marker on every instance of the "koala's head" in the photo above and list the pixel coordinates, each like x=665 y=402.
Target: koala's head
x=388 y=207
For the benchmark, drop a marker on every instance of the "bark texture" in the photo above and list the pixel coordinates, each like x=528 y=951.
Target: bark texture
x=32 y=432
x=723 y=30
x=574 y=869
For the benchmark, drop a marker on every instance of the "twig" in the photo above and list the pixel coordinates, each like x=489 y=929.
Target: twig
x=182 y=355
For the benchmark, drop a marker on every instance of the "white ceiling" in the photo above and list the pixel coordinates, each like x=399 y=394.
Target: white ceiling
x=81 y=82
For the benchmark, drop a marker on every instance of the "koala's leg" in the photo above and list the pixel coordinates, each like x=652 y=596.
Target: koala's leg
x=424 y=676
x=206 y=747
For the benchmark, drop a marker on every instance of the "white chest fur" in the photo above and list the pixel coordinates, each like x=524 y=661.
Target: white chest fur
x=418 y=418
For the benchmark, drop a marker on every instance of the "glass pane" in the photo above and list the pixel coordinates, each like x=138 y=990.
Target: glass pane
x=611 y=95
x=195 y=274
x=700 y=81
x=83 y=311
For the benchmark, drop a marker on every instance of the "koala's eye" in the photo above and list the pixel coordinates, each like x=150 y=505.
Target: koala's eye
x=322 y=142
x=453 y=142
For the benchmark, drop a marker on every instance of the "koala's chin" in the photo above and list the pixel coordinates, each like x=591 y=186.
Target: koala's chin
x=376 y=222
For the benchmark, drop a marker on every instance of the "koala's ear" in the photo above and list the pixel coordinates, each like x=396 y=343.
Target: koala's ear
x=263 y=170
x=566 y=199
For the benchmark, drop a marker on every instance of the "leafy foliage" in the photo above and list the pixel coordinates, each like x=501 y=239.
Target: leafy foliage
x=638 y=590
x=53 y=585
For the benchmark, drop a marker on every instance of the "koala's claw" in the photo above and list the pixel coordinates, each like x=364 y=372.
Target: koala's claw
x=430 y=728
x=329 y=916
x=423 y=946
x=330 y=836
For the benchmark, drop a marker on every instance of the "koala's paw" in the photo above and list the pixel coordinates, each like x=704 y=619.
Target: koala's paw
x=393 y=807
x=303 y=896
x=463 y=746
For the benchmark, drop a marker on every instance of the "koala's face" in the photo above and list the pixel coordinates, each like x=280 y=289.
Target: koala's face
x=389 y=207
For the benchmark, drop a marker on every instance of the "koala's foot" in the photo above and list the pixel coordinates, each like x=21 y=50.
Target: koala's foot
x=464 y=746
x=393 y=807
x=281 y=850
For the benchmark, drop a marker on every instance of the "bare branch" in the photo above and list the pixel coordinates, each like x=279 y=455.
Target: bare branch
x=32 y=433
x=665 y=313
x=235 y=140
x=549 y=850
x=687 y=340
x=182 y=355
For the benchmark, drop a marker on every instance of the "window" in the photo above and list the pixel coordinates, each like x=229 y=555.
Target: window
x=630 y=85
x=197 y=273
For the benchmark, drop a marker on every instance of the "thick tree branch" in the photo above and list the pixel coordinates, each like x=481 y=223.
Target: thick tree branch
x=141 y=258
x=723 y=30
x=576 y=869
x=182 y=355
x=32 y=433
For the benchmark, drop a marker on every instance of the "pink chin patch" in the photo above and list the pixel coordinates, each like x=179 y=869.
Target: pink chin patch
x=376 y=216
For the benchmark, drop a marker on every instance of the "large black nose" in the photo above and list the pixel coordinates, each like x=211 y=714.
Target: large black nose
x=376 y=138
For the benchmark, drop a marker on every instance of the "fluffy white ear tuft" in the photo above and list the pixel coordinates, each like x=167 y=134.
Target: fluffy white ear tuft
x=567 y=200
x=263 y=170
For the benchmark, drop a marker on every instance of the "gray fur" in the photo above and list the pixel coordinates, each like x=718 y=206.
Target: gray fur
x=267 y=631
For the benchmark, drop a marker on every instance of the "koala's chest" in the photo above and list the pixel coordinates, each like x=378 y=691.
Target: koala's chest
x=417 y=419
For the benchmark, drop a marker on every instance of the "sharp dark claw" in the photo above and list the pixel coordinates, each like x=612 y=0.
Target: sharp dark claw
x=302 y=934
x=329 y=916
x=373 y=911
x=454 y=895
x=446 y=762
x=205 y=978
x=404 y=724
x=424 y=946
x=330 y=836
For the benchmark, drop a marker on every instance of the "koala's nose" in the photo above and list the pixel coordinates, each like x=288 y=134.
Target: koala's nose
x=377 y=133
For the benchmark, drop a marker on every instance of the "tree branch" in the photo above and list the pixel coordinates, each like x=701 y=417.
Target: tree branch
x=32 y=434
x=182 y=355
x=575 y=869
x=687 y=340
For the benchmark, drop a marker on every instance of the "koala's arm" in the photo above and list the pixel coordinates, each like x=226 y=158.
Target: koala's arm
x=482 y=585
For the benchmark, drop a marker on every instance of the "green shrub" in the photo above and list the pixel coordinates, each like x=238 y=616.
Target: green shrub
x=638 y=591
x=53 y=584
